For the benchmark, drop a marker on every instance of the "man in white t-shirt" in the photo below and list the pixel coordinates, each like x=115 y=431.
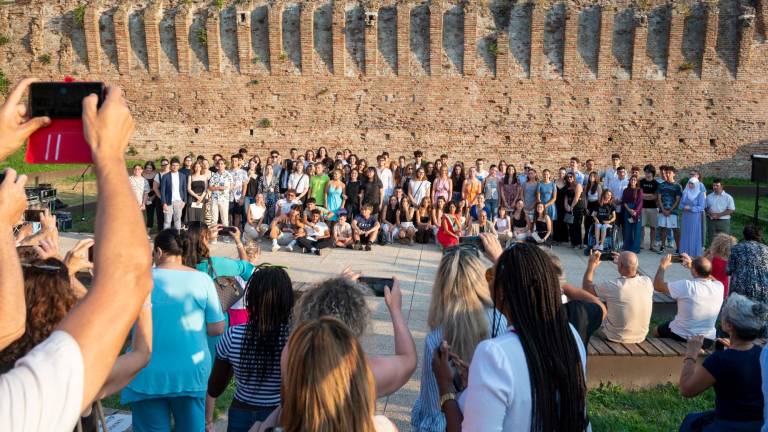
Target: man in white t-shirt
x=385 y=175
x=628 y=298
x=318 y=235
x=284 y=205
x=719 y=207
x=698 y=301
x=482 y=173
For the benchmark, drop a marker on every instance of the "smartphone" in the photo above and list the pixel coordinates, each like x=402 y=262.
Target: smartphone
x=677 y=258
x=33 y=215
x=376 y=284
x=472 y=241
x=63 y=140
x=226 y=231
x=606 y=256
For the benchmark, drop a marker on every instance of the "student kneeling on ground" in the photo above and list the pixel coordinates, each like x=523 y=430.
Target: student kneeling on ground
x=318 y=235
x=365 y=228
x=286 y=229
x=342 y=232
x=698 y=301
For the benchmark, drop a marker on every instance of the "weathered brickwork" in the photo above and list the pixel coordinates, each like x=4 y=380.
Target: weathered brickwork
x=681 y=83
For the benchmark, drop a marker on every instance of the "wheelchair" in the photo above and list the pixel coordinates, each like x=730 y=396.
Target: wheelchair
x=611 y=240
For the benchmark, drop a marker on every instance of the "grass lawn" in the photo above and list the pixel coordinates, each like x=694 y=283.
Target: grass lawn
x=661 y=408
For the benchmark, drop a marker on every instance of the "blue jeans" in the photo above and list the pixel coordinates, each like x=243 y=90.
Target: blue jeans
x=493 y=205
x=241 y=420
x=707 y=421
x=154 y=415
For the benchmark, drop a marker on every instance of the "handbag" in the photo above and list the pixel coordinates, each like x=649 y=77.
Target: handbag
x=568 y=218
x=227 y=287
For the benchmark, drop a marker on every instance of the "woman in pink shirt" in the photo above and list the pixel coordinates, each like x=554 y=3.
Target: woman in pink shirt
x=719 y=252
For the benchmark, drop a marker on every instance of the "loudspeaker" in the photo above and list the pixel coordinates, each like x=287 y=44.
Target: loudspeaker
x=760 y=168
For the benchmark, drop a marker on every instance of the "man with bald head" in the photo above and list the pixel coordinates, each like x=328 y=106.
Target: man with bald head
x=698 y=300
x=628 y=298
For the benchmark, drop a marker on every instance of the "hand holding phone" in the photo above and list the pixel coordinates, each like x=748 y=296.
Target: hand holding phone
x=16 y=125
x=227 y=231
x=63 y=141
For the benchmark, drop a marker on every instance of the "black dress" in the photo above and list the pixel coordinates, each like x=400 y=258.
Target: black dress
x=353 y=199
x=196 y=214
x=574 y=229
x=560 y=228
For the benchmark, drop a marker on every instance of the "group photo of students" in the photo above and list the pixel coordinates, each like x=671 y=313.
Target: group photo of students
x=168 y=325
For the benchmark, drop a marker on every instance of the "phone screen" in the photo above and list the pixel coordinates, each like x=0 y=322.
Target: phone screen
x=32 y=215
x=226 y=231
x=62 y=100
x=473 y=241
x=376 y=284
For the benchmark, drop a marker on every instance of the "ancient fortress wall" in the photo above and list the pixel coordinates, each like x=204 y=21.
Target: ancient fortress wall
x=679 y=82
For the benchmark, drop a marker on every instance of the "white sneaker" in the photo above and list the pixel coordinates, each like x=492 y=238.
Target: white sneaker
x=290 y=245
x=275 y=247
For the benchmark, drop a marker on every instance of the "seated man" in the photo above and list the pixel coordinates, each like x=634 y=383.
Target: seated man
x=285 y=229
x=342 y=232
x=698 y=301
x=483 y=225
x=365 y=228
x=284 y=205
x=318 y=235
x=628 y=298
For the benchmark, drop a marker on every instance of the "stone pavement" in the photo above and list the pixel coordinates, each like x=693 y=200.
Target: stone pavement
x=415 y=267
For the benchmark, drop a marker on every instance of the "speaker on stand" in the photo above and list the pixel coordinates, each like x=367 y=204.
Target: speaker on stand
x=759 y=174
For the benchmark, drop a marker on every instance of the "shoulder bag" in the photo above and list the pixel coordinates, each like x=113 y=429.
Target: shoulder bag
x=227 y=287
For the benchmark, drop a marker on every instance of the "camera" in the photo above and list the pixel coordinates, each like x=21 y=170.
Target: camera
x=677 y=258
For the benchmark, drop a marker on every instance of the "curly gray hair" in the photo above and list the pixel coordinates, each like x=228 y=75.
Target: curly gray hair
x=338 y=297
x=747 y=317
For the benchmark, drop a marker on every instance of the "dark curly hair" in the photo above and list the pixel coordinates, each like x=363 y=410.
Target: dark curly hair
x=49 y=297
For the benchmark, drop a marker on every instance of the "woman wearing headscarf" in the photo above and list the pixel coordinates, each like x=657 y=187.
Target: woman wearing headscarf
x=692 y=203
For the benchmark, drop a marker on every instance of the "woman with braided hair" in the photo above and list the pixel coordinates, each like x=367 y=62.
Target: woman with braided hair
x=539 y=343
x=251 y=351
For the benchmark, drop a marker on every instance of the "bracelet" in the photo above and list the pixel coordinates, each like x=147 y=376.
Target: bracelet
x=446 y=397
x=689 y=358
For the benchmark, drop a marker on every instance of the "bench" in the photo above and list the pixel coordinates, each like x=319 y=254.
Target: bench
x=651 y=362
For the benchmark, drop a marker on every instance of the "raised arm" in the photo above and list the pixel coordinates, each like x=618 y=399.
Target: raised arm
x=122 y=278
x=15 y=128
x=658 y=281
x=392 y=372
x=13 y=310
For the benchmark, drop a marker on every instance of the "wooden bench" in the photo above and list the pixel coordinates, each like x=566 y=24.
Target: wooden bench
x=646 y=364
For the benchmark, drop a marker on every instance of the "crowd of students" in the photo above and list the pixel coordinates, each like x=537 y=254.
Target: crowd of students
x=506 y=344
x=415 y=200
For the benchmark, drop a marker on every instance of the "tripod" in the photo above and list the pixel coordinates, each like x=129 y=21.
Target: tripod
x=81 y=182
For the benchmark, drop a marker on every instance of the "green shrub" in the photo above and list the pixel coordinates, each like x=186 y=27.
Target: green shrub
x=265 y=123
x=202 y=36
x=4 y=84
x=79 y=15
x=4 y=40
x=685 y=66
x=45 y=59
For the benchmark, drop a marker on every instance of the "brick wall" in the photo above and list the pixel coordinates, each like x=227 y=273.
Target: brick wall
x=225 y=85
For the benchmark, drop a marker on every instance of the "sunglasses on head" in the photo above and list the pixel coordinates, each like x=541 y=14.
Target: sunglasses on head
x=42 y=266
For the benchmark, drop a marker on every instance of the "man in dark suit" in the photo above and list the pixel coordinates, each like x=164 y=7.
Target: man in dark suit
x=173 y=192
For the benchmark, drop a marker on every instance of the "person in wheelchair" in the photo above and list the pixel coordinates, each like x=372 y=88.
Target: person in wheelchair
x=604 y=216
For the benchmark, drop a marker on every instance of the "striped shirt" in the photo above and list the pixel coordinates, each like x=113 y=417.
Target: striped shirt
x=251 y=389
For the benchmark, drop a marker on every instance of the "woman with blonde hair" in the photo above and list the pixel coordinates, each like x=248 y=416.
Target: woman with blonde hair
x=333 y=392
x=461 y=312
x=718 y=253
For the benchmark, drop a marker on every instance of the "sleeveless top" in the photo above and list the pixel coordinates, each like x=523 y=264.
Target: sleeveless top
x=519 y=223
x=441 y=188
x=540 y=226
x=198 y=186
x=390 y=215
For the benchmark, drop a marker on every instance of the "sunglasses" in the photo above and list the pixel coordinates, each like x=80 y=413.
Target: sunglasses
x=44 y=267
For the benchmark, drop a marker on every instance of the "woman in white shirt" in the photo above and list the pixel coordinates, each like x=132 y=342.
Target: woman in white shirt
x=255 y=226
x=539 y=358
x=299 y=181
x=503 y=226
x=419 y=187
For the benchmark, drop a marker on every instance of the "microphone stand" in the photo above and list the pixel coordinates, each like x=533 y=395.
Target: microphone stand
x=81 y=182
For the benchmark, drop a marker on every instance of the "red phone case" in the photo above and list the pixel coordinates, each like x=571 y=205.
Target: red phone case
x=61 y=142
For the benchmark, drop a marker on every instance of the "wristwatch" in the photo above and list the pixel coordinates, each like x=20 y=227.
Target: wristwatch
x=446 y=397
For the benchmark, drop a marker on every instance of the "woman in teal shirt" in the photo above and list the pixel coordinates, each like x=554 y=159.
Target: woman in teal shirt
x=197 y=254
x=186 y=310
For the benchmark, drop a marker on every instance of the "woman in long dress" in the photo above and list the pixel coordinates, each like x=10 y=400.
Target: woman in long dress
x=692 y=203
x=334 y=195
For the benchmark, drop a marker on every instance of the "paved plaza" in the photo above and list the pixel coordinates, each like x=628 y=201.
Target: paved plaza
x=415 y=266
